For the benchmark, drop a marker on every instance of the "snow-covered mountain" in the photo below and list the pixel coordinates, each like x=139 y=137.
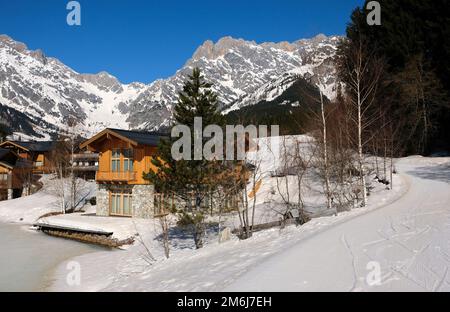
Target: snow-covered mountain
x=242 y=72
x=49 y=92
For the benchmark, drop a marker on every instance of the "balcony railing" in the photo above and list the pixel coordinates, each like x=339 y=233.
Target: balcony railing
x=84 y=168
x=116 y=176
x=85 y=156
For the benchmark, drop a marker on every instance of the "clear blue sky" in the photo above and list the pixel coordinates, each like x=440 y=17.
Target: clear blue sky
x=143 y=40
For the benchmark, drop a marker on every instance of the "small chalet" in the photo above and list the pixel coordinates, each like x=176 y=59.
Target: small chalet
x=39 y=153
x=14 y=174
x=124 y=156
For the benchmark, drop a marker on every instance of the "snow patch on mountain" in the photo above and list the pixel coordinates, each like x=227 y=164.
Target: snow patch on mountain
x=242 y=73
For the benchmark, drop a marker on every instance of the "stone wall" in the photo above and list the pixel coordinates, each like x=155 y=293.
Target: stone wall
x=102 y=200
x=142 y=200
x=143 y=197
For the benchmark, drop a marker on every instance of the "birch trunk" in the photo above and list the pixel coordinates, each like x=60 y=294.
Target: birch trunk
x=360 y=147
x=325 y=153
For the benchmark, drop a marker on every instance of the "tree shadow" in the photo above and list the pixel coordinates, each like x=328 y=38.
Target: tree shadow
x=438 y=172
x=182 y=237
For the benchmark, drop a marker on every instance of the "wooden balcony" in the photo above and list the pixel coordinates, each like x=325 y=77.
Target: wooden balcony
x=86 y=157
x=116 y=176
x=84 y=168
x=41 y=170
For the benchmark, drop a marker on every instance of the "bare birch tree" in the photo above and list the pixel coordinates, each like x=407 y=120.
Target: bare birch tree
x=250 y=178
x=362 y=71
x=325 y=153
x=302 y=159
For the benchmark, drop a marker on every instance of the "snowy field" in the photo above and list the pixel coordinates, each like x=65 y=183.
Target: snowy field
x=404 y=231
x=27 y=210
x=407 y=242
x=402 y=236
x=212 y=268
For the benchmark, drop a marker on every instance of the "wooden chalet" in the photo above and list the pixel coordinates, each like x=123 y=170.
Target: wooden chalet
x=39 y=153
x=123 y=158
x=14 y=174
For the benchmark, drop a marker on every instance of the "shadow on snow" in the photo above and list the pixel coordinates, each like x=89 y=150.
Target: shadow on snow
x=438 y=172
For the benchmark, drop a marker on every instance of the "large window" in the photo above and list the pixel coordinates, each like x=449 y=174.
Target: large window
x=121 y=203
x=127 y=160
x=117 y=156
x=115 y=160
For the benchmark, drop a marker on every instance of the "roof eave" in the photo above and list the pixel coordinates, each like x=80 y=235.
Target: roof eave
x=15 y=144
x=7 y=165
x=106 y=132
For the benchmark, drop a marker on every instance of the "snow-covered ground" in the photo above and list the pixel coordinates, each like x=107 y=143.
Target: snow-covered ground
x=28 y=209
x=403 y=234
x=122 y=228
x=402 y=247
x=405 y=231
x=212 y=268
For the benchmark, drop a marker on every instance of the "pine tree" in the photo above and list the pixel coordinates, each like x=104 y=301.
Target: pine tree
x=190 y=181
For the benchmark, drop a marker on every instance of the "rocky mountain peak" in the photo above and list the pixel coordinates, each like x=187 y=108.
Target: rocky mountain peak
x=242 y=73
x=319 y=38
x=103 y=81
x=211 y=50
x=7 y=41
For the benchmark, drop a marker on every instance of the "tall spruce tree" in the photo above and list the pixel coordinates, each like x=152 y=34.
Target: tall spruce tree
x=190 y=181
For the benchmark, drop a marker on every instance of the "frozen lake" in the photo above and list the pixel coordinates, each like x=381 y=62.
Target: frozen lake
x=27 y=258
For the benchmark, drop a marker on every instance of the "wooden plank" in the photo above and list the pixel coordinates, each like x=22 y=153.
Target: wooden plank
x=67 y=228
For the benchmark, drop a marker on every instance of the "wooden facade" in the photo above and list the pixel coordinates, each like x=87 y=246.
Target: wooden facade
x=121 y=160
x=38 y=153
x=124 y=158
x=5 y=176
x=14 y=172
x=42 y=162
x=12 y=177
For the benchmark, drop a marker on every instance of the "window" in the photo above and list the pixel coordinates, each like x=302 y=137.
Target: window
x=126 y=198
x=121 y=203
x=115 y=160
x=127 y=160
x=3 y=177
x=38 y=164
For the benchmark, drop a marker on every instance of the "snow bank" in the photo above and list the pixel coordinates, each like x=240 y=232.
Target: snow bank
x=27 y=209
x=30 y=208
x=122 y=228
